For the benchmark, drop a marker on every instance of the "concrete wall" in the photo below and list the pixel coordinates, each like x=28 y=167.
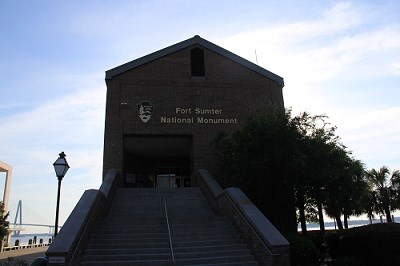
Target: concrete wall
x=8 y=171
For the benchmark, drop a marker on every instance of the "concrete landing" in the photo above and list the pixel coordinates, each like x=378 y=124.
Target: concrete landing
x=28 y=255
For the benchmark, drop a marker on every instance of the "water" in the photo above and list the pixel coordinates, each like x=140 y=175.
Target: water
x=24 y=238
x=352 y=223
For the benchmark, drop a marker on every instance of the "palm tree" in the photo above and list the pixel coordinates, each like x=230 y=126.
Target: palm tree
x=396 y=188
x=368 y=203
x=384 y=186
x=3 y=223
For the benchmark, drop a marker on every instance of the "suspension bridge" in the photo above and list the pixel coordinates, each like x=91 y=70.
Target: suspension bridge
x=18 y=226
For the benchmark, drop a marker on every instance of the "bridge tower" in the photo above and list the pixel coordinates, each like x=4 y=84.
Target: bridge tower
x=18 y=214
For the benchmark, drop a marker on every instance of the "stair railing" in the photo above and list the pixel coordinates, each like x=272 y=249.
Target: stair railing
x=169 y=231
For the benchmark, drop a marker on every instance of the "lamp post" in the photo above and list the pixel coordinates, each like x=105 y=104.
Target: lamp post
x=61 y=167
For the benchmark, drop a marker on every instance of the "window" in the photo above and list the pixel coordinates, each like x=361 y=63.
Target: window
x=197 y=62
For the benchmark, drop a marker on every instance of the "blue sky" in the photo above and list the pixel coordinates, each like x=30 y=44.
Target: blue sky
x=340 y=58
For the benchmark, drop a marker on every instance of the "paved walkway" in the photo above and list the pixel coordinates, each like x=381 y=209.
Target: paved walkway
x=28 y=255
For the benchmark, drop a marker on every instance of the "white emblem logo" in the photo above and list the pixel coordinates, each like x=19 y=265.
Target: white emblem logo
x=145 y=111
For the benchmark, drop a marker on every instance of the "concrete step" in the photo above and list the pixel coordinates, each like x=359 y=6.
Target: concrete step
x=118 y=251
x=142 y=238
x=217 y=221
x=164 y=244
x=164 y=263
x=137 y=215
x=127 y=245
x=249 y=263
x=215 y=260
x=209 y=248
x=126 y=263
x=165 y=249
x=145 y=206
x=204 y=243
x=180 y=252
x=163 y=229
x=216 y=225
x=222 y=232
x=130 y=231
x=188 y=209
x=104 y=236
x=202 y=227
x=138 y=220
x=135 y=211
x=243 y=255
x=211 y=254
x=137 y=202
x=128 y=239
x=135 y=199
x=178 y=239
x=188 y=219
x=141 y=225
x=130 y=257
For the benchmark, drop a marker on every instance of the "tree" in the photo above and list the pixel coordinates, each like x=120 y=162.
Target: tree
x=385 y=187
x=256 y=159
x=317 y=140
x=3 y=221
x=301 y=155
x=356 y=190
x=336 y=182
x=345 y=185
x=395 y=185
x=327 y=175
x=368 y=202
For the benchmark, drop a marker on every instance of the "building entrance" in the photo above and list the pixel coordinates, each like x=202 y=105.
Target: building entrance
x=157 y=161
x=173 y=177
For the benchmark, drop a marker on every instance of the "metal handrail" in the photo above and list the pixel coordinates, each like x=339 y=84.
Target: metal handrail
x=169 y=231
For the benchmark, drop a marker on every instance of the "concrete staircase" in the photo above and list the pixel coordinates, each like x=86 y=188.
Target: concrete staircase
x=136 y=232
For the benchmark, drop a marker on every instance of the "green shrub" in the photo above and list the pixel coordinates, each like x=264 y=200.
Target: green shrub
x=303 y=251
x=375 y=244
x=318 y=238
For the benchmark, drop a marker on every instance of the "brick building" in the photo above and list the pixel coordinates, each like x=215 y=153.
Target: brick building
x=164 y=109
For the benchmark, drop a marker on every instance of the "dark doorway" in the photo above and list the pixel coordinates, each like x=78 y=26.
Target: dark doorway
x=157 y=161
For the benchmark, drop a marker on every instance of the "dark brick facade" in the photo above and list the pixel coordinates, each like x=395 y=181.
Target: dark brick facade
x=231 y=89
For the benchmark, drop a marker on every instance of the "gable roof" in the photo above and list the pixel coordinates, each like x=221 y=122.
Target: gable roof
x=189 y=42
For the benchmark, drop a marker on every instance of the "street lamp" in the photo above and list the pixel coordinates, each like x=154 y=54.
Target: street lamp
x=61 y=167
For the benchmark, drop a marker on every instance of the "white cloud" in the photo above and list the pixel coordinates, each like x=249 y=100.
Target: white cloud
x=371 y=134
x=317 y=56
x=333 y=45
x=9 y=106
x=396 y=67
x=32 y=140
